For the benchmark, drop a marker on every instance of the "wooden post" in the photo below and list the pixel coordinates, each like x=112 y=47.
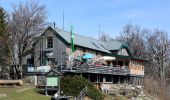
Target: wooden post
x=132 y=80
x=104 y=78
x=123 y=63
x=119 y=80
x=37 y=80
x=140 y=81
x=112 y=79
x=135 y=79
x=46 y=92
x=97 y=78
x=89 y=76
x=59 y=85
x=127 y=79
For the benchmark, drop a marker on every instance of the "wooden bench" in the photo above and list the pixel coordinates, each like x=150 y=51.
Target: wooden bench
x=11 y=82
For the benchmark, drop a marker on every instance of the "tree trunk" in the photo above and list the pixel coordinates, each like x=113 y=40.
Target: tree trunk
x=20 y=67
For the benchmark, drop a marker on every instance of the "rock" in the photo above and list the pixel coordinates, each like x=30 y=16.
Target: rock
x=3 y=95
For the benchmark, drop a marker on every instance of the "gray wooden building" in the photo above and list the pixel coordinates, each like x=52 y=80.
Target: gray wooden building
x=53 y=49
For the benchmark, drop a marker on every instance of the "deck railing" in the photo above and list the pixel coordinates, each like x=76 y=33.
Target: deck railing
x=38 y=69
x=117 y=70
x=85 y=68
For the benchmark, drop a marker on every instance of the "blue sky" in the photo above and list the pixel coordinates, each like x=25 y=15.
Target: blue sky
x=112 y=15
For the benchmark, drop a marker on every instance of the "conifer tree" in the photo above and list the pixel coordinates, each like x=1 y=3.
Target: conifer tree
x=5 y=50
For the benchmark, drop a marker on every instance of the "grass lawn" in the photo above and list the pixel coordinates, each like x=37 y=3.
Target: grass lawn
x=28 y=92
x=21 y=93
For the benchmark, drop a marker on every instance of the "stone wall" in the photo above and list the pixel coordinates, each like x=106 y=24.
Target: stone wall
x=32 y=79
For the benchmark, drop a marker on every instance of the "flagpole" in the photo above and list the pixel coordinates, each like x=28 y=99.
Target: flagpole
x=72 y=47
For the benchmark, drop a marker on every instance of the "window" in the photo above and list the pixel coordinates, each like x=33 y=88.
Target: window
x=49 y=42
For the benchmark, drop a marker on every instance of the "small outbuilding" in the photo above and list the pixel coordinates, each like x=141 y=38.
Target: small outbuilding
x=53 y=81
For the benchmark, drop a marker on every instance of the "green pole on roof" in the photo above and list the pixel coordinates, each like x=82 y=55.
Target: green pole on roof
x=72 y=39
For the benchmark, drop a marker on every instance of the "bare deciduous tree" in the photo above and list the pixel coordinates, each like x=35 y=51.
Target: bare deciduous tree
x=27 y=22
x=105 y=37
x=158 y=45
x=134 y=36
x=153 y=46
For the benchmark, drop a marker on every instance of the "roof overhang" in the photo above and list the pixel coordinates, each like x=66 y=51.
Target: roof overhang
x=126 y=57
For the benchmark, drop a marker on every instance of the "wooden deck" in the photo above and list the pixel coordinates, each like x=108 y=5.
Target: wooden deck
x=111 y=70
x=101 y=70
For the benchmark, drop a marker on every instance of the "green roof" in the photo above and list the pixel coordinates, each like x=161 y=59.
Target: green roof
x=114 y=45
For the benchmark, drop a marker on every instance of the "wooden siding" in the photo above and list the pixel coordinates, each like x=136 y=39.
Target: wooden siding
x=58 y=51
x=123 y=52
x=37 y=58
x=136 y=67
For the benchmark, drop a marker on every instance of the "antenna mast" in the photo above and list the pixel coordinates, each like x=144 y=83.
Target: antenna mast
x=99 y=31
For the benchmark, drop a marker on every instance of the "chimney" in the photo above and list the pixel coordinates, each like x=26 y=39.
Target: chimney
x=54 y=24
